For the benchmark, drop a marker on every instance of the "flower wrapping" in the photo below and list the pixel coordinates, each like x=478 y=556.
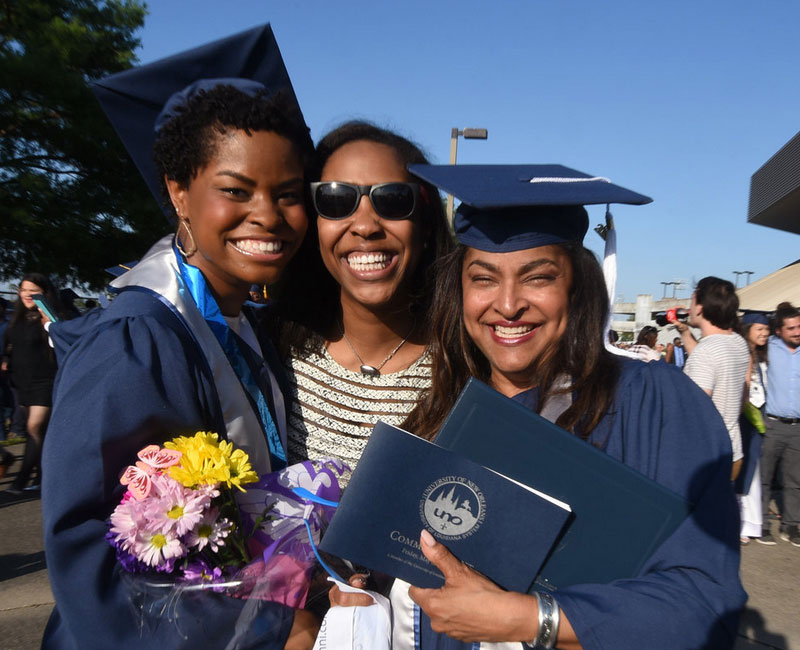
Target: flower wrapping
x=187 y=517
x=279 y=540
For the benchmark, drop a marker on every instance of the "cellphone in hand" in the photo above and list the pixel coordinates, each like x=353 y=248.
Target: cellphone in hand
x=41 y=302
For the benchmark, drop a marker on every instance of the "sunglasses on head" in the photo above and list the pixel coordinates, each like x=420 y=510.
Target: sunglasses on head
x=336 y=200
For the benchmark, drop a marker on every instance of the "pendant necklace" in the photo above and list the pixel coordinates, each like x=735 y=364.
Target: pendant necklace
x=366 y=369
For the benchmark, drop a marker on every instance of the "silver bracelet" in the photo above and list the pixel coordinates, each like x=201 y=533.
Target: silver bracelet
x=549 y=619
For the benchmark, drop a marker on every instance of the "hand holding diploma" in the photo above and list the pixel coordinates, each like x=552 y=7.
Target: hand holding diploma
x=471 y=608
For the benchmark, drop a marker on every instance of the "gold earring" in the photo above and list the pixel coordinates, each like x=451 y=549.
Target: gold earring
x=178 y=243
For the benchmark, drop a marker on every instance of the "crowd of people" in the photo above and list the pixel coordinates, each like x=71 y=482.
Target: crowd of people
x=376 y=313
x=757 y=400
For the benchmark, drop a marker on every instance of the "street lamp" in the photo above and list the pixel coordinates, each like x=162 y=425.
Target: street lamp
x=747 y=273
x=467 y=134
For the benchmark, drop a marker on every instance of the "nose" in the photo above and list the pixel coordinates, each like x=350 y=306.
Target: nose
x=510 y=302
x=364 y=221
x=265 y=212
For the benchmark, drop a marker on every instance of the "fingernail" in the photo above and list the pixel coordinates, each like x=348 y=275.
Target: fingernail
x=427 y=538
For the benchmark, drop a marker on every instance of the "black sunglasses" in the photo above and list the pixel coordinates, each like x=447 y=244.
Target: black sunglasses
x=336 y=200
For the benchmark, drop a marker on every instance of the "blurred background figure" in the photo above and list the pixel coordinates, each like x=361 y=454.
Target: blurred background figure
x=645 y=346
x=755 y=330
x=30 y=363
x=782 y=439
x=676 y=353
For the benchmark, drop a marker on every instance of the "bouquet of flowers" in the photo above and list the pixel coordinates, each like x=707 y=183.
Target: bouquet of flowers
x=187 y=516
x=178 y=515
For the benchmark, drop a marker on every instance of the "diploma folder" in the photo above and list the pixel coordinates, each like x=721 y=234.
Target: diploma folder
x=403 y=484
x=620 y=517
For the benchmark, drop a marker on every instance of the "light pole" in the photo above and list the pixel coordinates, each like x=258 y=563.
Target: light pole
x=467 y=134
x=738 y=273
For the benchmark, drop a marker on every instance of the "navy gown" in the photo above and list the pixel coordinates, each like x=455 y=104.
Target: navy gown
x=688 y=595
x=130 y=376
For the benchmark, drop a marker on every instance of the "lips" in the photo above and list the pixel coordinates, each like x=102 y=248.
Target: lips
x=258 y=246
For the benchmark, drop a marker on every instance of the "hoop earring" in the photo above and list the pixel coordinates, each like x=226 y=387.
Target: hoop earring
x=178 y=243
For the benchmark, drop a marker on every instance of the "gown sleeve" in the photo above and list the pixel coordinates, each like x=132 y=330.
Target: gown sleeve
x=126 y=383
x=689 y=594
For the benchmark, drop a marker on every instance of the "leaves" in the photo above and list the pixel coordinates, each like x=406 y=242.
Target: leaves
x=71 y=201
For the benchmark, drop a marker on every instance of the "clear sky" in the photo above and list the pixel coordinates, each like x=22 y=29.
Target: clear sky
x=681 y=101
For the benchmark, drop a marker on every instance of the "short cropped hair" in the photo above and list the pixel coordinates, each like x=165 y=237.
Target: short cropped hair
x=187 y=142
x=719 y=300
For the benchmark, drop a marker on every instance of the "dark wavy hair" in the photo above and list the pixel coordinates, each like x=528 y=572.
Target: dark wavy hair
x=308 y=296
x=580 y=352
x=187 y=143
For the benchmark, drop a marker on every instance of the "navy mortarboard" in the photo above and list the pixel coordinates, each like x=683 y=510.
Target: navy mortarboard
x=140 y=100
x=512 y=207
x=752 y=317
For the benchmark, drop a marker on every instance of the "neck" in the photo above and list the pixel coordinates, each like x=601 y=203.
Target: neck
x=229 y=305
x=372 y=331
x=707 y=329
x=510 y=386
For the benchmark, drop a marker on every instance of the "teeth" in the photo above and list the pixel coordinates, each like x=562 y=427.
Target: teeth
x=368 y=261
x=258 y=246
x=512 y=332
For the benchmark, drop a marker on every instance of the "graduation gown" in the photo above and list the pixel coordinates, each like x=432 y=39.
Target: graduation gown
x=688 y=595
x=130 y=375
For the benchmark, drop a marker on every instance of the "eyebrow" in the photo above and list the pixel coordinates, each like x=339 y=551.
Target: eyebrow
x=239 y=177
x=524 y=269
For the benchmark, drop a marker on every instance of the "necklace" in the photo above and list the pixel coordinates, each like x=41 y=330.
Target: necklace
x=366 y=369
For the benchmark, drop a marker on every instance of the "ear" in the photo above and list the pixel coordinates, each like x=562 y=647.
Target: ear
x=177 y=196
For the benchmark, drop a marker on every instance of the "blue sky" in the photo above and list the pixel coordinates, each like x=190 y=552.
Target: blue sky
x=681 y=101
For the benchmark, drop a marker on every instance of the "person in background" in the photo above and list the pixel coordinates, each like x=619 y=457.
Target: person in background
x=676 y=354
x=645 y=344
x=782 y=439
x=6 y=397
x=755 y=330
x=718 y=363
x=31 y=365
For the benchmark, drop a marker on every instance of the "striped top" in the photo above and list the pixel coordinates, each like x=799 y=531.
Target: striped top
x=718 y=364
x=334 y=409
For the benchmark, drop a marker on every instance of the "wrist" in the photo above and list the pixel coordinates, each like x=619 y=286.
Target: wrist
x=549 y=617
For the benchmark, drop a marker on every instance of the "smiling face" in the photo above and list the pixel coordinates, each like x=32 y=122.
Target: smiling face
x=26 y=290
x=246 y=213
x=371 y=258
x=515 y=309
x=758 y=334
x=790 y=332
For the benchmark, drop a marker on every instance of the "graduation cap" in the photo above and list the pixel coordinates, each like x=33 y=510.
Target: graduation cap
x=506 y=208
x=118 y=269
x=134 y=99
x=751 y=317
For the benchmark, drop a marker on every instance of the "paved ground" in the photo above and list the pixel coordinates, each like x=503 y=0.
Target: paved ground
x=771 y=575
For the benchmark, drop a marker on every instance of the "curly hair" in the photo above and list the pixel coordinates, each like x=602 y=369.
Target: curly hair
x=580 y=352
x=305 y=322
x=187 y=143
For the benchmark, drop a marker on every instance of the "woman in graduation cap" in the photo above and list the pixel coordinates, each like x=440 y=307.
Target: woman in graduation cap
x=175 y=352
x=529 y=322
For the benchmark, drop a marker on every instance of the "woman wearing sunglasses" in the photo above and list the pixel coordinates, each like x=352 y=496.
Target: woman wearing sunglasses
x=357 y=332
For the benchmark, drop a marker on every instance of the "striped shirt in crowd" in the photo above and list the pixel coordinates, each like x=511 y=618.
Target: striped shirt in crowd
x=719 y=364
